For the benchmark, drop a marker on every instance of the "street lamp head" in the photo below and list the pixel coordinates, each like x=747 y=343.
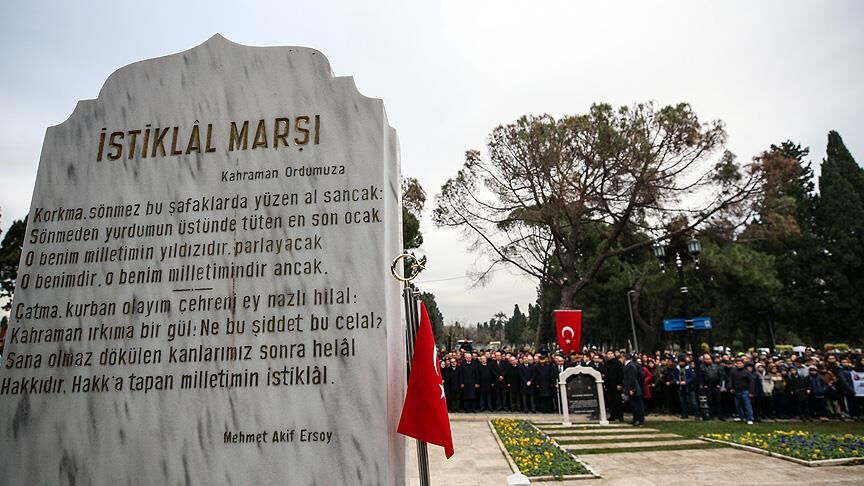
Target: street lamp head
x=659 y=250
x=694 y=247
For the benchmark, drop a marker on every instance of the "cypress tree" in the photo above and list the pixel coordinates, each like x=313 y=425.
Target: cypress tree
x=840 y=224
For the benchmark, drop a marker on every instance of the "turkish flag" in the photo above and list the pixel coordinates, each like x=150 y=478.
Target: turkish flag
x=568 y=325
x=424 y=414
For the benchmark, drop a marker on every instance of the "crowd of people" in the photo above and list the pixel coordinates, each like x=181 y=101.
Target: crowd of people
x=746 y=386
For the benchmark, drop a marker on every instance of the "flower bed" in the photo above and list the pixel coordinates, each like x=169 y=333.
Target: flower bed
x=805 y=447
x=534 y=453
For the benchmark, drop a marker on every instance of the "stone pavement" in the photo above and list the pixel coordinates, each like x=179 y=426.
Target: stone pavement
x=478 y=462
x=724 y=466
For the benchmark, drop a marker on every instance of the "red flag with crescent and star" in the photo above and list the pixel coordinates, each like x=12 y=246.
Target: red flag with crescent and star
x=568 y=324
x=424 y=414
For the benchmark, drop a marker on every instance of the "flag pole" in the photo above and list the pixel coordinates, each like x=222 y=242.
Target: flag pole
x=410 y=297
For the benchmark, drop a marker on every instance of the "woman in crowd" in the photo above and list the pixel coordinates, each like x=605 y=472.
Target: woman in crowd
x=766 y=403
x=779 y=395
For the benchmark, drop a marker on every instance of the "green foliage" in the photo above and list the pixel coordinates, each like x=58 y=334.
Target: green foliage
x=533 y=452
x=435 y=315
x=515 y=326
x=796 y=266
x=413 y=200
x=694 y=429
x=10 y=256
x=411 y=236
x=808 y=446
x=562 y=198
x=839 y=224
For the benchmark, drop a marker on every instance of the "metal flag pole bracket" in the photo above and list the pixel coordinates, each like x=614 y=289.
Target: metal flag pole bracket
x=412 y=320
x=417 y=266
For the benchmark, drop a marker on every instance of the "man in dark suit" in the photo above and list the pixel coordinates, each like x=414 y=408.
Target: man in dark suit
x=634 y=380
x=499 y=388
x=487 y=377
x=527 y=379
x=559 y=368
x=511 y=382
x=450 y=377
x=545 y=377
x=612 y=379
x=469 y=382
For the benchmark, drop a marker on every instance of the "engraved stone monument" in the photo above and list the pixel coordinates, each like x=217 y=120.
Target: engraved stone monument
x=582 y=394
x=204 y=294
x=581 y=391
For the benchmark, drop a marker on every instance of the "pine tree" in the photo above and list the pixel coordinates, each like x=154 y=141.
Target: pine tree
x=840 y=224
x=514 y=326
x=435 y=316
x=10 y=255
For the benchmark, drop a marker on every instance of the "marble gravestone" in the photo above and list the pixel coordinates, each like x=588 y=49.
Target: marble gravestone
x=204 y=294
x=580 y=389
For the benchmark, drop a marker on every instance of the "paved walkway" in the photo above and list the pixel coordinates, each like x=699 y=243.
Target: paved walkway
x=478 y=462
x=724 y=466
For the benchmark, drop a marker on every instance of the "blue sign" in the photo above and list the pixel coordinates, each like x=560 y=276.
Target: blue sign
x=678 y=324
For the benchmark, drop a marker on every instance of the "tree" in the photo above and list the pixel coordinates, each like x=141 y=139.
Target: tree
x=514 y=326
x=496 y=326
x=413 y=200
x=435 y=316
x=558 y=198
x=10 y=256
x=840 y=225
x=784 y=228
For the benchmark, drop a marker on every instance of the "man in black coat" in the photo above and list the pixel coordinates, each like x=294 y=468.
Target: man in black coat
x=613 y=379
x=452 y=390
x=499 y=390
x=487 y=377
x=711 y=379
x=469 y=382
x=527 y=379
x=558 y=368
x=511 y=382
x=634 y=380
x=544 y=382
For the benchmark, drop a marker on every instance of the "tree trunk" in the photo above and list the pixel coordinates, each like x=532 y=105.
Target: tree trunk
x=545 y=332
x=649 y=332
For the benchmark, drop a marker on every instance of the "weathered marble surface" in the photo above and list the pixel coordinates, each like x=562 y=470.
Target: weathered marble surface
x=176 y=437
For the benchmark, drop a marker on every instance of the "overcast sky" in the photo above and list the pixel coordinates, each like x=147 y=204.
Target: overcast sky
x=449 y=72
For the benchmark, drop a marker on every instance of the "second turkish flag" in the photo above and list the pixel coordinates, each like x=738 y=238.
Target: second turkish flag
x=568 y=325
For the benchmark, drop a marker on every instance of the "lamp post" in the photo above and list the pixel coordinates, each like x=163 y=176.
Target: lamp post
x=632 y=323
x=694 y=248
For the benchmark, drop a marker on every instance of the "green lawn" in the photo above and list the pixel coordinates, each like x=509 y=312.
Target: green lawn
x=706 y=445
x=695 y=429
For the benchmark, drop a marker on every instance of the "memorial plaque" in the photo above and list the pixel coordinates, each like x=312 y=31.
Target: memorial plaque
x=582 y=394
x=204 y=293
